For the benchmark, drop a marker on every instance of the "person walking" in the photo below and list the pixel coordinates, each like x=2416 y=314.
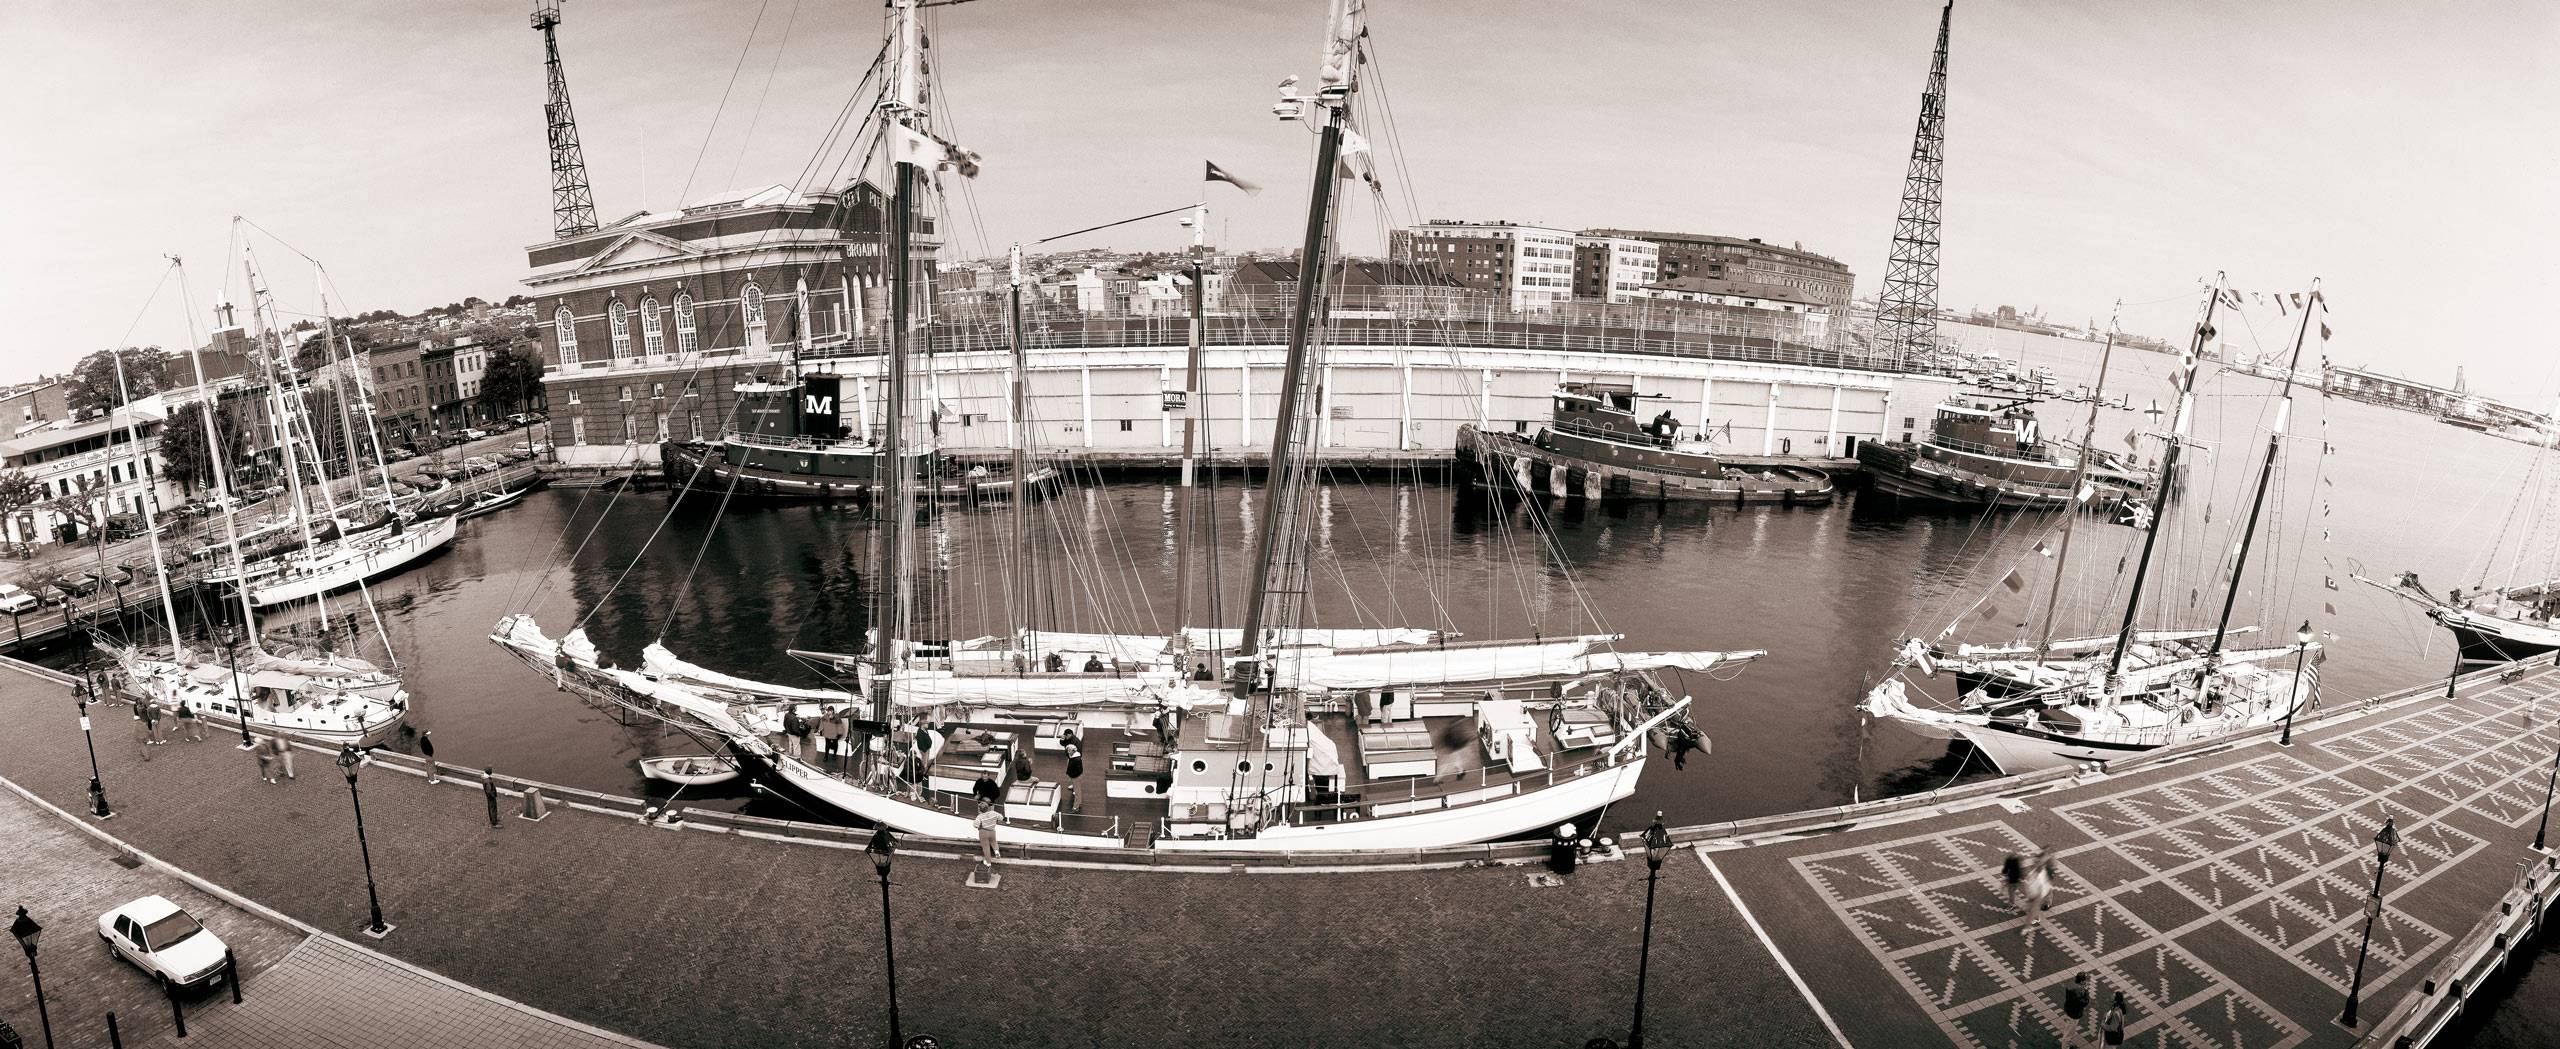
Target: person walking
x=2111 y=1027
x=266 y=764
x=489 y=789
x=189 y=725
x=2013 y=874
x=2075 y=1005
x=151 y=724
x=284 y=754
x=2038 y=887
x=427 y=750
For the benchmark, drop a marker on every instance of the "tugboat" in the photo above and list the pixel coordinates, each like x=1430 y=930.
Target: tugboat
x=789 y=443
x=1982 y=452
x=1597 y=446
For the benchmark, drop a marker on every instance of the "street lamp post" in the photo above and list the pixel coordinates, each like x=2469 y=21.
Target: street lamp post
x=883 y=848
x=2382 y=843
x=347 y=762
x=2547 y=783
x=97 y=788
x=1657 y=847
x=230 y=637
x=27 y=930
x=2301 y=648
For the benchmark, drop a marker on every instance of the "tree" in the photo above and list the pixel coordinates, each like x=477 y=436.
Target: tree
x=92 y=386
x=513 y=379
x=78 y=509
x=17 y=492
x=183 y=450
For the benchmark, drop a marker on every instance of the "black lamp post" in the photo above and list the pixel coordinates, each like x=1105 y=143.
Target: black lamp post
x=230 y=637
x=2547 y=783
x=883 y=848
x=347 y=762
x=1657 y=847
x=2382 y=843
x=97 y=788
x=2301 y=648
x=27 y=930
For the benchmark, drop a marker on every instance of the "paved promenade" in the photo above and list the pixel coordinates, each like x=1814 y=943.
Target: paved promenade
x=2222 y=894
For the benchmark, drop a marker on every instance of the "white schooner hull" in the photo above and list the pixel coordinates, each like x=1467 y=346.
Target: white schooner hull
x=347 y=564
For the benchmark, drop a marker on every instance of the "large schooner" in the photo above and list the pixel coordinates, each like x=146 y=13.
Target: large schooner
x=2138 y=691
x=1306 y=738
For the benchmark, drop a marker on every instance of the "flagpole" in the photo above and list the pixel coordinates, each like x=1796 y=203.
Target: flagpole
x=2166 y=481
x=1184 y=503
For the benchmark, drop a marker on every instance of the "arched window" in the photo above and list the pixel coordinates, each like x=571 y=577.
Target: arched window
x=751 y=304
x=653 y=339
x=684 y=324
x=618 y=322
x=800 y=319
x=564 y=325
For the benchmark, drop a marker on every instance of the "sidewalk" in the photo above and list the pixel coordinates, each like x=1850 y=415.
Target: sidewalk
x=696 y=939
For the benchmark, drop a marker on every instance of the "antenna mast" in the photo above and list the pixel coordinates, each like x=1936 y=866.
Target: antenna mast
x=1907 y=313
x=573 y=205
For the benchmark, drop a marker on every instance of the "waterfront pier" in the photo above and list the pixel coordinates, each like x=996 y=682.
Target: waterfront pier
x=2222 y=888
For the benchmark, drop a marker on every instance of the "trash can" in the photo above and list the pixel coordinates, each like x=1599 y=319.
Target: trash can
x=1561 y=850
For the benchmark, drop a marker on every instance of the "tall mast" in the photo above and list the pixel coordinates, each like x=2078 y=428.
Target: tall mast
x=2168 y=475
x=280 y=374
x=346 y=417
x=1020 y=412
x=1280 y=547
x=1190 y=431
x=2071 y=510
x=894 y=472
x=2258 y=499
x=573 y=205
x=1907 y=312
x=150 y=526
x=221 y=473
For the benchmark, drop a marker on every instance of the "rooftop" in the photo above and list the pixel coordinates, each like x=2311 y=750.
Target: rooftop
x=1749 y=289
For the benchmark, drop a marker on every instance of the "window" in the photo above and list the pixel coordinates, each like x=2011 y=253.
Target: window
x=662 y=427
x=577 y=425
x=573 y=396
x=618 y=323
x=657 y=391
x=653 y=341
x=689 y=391
x=1127 y=425
x=693 y=425
x=630 y=431
x=751 y=305
x=684 y=323
x=626 y=393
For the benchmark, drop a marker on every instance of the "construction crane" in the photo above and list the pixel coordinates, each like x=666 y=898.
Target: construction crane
x=1907 y=312
x=573 y=205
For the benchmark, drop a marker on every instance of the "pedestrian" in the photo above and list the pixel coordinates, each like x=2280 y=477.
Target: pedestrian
x=151 y=724
x=985 y=790
x=427 y=749
x=189 y=724
x=2112 y=1026
x=2013 y=873
x=1093 y=664
x=1075 y=762
x=266 y=764
x=1164 y=728
x=2038 y=887
x=489 y=789
x=987 y=821
x=793 y=730
x=284 y=754
x=2075 y=1004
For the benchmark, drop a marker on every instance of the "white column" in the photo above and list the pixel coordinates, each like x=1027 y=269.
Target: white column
x=1769 y=428
x=1164 y=419
x=1084 y=386
x=1324 y=407
x=1404 y=411
x=1831 y=432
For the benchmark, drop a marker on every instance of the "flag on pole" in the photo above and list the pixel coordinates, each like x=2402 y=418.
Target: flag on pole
x=2232 y=297
x=2297 y=299
x=2329 y=608
x=2324 y=331
x=1219 y=174
x=2280 y=310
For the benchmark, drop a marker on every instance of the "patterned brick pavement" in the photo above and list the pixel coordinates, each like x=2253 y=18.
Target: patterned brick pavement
x=2225 y=896
x=689 y=939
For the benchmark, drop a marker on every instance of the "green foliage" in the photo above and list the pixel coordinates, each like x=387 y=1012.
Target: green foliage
x=184 y=454
x=513 y=380
x=92 y=385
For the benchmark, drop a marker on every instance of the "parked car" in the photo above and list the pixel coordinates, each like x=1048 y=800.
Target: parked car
x=16 y=601
x=524 y=418
x=474 y=434
x=479 y=464
x=119 y=576
x=77 y=584
x=161 y=938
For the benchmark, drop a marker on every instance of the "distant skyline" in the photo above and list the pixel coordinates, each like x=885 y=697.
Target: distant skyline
x=2094 y=153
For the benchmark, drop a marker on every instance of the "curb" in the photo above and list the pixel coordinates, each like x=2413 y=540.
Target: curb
x=307 y=929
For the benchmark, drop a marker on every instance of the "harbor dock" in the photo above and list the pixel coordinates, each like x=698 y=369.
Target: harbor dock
x=2220 y=886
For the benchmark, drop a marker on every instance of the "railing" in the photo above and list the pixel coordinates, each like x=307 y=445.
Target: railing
x=1434 y=787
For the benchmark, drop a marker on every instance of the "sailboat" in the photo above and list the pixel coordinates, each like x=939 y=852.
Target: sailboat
x=1314 y=739
x=2520 y=617
x=352 y=553
x=2098 y=709
x=276 y=688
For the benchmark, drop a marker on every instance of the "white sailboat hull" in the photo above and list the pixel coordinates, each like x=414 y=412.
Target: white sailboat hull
x=346 y=565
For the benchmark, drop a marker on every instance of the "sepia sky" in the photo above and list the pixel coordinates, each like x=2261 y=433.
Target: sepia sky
x=2096 y=152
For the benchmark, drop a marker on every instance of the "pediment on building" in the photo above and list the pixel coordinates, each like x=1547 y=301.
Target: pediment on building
x=639 y=247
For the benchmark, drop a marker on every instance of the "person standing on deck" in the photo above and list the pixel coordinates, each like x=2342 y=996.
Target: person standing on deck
x=793 y=731
x=835 y=728
x=987 y=821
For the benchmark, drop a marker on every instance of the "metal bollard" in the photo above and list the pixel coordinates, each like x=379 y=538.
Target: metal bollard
x=177 y=1008
x=231 y=962
x=115 y=1038
x=534 y=806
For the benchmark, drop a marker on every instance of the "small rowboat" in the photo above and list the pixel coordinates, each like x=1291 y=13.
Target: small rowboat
x=491 y=502
x=692 y=770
